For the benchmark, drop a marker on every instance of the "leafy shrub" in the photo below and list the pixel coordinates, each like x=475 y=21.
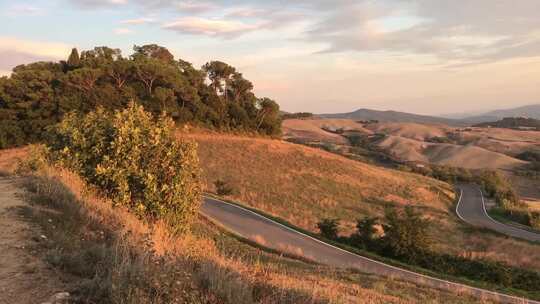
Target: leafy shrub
x=35 y=161
x=406 y=238
x=329 y=228
x=223 y=188
x=134 y=159
x=406 y=233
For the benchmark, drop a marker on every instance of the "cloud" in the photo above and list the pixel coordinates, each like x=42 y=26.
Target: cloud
x=210 y=27
x=15 y=51
x=17 y=10
x=138 y=21
x=452 y=32
x=196 y=7
x=99 y=3
x=123 y=31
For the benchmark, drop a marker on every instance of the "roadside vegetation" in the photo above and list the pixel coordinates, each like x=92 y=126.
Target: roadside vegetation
x=405 y=235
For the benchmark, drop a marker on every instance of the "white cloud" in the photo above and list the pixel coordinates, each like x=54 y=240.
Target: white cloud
x=37 y=48
x=99 y=3
x=196 y=7
x=22 y=9
x=138 y=21
x=210 y=27
x=15 y=51
x=123 y=31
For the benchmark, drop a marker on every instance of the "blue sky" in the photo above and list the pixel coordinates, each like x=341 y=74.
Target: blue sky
x=424 y=56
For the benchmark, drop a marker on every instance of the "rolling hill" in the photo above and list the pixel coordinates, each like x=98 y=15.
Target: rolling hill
x=529 y=111
x=393 y=116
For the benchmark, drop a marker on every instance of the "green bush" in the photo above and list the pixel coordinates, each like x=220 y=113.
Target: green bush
x=329 y=228
x=134 y=159
x=223 y=188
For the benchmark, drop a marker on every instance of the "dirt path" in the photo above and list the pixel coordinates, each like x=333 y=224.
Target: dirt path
x=24 y=277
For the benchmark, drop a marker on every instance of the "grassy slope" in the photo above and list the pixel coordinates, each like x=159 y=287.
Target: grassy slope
x=303 y=185
x=110 y=256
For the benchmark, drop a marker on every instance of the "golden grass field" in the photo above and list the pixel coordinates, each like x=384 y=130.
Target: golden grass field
x=303 y=185
x=207 y=265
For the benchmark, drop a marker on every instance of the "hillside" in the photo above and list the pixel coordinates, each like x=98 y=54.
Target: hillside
x=470 y=157
x=519 y=123
x=530 y=111
x=392 y=116
x=320 y=129
x=415 y=131
x=303 y=185
x=109 y=255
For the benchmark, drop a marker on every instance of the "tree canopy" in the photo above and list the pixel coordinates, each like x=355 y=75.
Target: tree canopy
x=217 y=96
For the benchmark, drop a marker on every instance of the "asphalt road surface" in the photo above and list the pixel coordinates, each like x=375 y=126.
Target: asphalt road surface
x=276 y=236
x=471 y=209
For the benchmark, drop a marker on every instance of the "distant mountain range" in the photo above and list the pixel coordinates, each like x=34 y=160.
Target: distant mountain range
x=530 y=111
x=392 y=116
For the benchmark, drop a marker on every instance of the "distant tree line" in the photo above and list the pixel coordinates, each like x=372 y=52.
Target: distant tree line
x=298 y=115
x=513 y=123
x=216 y=96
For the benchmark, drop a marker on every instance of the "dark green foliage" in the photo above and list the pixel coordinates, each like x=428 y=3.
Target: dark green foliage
x=440 y=140
x=406 y=233
x=406 y=238
x=329 y=228
x=366 y=233
x=532 y=156
x=38 y=95
x=134 y=159
x=298 y=115
x=74 y=59
x=223 y=188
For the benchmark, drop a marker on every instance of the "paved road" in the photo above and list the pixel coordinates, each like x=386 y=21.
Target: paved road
x=274 y=235
x=471 y=209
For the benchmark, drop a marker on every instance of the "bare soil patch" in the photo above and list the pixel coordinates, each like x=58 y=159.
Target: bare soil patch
x=24 y=277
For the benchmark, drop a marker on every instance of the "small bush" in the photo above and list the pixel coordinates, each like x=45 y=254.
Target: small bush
x=223 y=188
x=329 y=228
x=35 y=161
x=134 y=159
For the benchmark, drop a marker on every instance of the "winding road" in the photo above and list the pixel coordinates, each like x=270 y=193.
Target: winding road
x=471 y=208
x=269 y=233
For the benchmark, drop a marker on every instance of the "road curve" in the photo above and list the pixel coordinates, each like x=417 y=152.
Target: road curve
x=257 y=228
x=471 y=209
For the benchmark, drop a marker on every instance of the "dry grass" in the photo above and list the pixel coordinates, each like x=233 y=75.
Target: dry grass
x=312 y=129
x=303 y=185
x=136 y=262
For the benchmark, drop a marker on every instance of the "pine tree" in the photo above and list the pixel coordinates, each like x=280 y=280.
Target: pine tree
x=74 y=59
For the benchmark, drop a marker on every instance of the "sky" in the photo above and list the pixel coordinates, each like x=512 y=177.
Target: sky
x=320 y=56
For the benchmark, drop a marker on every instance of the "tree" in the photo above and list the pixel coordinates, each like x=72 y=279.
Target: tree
x=119 y=72
x=406 y=233
x=37 y=95
x=366 y=232
x=219 y=74
x=74 y=60
x=268 y=118
x=239 y=86
x=153 y=51
x=329 y=228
